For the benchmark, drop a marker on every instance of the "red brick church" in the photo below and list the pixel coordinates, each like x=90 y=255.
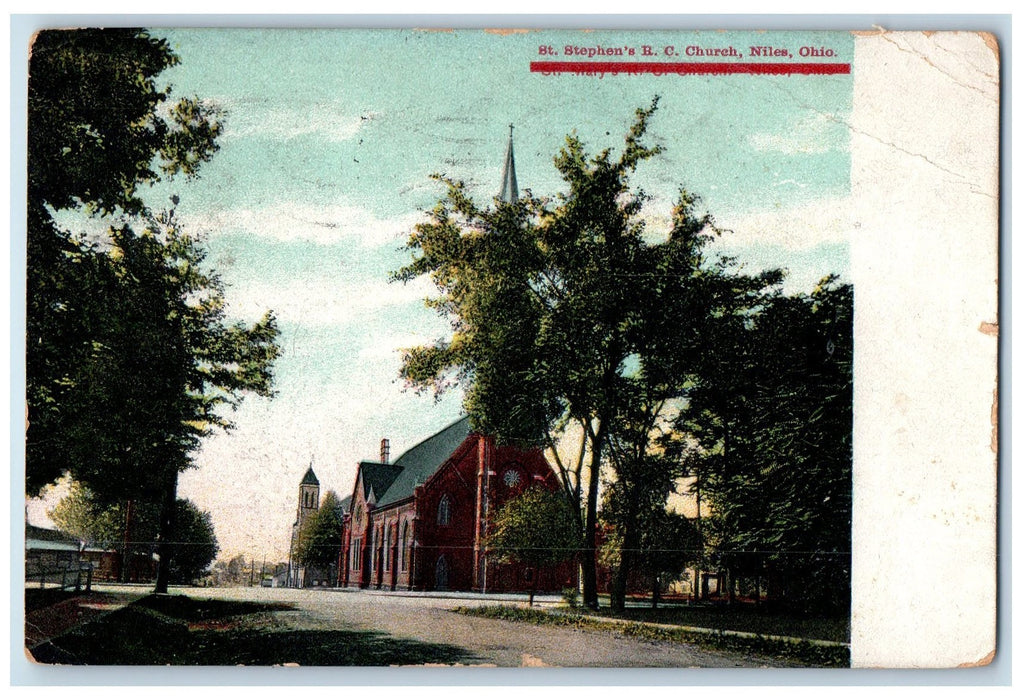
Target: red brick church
x=420 y=522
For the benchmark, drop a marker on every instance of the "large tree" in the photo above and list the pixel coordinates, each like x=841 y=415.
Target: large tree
x=99 y=127
x=772 y=421
x=176 y=364
x=635 y=499
x=130 y=359
x=554 y=303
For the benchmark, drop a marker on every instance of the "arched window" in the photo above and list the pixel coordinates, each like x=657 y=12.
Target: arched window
x=443 y=511
x=406 y=546
x=386 y=550
x=378 y=540
x=374 y=538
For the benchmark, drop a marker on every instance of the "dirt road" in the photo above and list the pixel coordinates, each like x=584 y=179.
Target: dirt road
x=485 y=642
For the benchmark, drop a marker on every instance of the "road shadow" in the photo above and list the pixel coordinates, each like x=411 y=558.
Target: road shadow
x=176 y=630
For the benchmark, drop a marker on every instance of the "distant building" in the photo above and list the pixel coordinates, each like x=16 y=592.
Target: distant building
x=299 y=575
x=49 y=550
x=54 y=559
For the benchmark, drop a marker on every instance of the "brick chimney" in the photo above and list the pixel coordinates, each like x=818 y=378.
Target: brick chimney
x=385 y=451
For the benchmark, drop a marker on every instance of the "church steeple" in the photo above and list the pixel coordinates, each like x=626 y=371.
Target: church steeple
x=308 y=495
x=508 y=181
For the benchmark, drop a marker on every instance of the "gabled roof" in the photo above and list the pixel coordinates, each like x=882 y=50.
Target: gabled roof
x=419 y=463
x=44 y=538
x=377 y=478
x=345 y=504
x=310 y=477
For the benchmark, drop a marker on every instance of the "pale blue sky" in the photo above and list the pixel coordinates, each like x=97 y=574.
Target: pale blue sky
x=324 y=168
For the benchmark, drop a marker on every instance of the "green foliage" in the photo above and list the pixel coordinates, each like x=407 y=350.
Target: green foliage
x=195 y=544
x=663 y=546
x=77 y=514
x=98 y=123
x=322 y=535
x=570 y=597
x=99 y=127
x=772 y=417
x=82 y=516
x=161 y=366
x=645 y=539
x=537 y=528
x=130 y=362
x=670 y=543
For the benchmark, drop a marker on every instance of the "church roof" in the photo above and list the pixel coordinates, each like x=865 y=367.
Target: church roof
x=345 y=504
x=395 y=482
x=508 y=181
x=310 y=477
x=377 y=478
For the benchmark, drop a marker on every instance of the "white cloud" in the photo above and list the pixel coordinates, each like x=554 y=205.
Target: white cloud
x=387 y=347
x=321 y=224
x=318 y=302
x=818 y=133
x=326 y=120
x=798 y=227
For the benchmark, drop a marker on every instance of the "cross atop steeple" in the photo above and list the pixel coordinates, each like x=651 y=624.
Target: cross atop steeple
x=508 y=181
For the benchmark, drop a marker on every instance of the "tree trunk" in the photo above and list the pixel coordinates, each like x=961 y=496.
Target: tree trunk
x=590 y=597
x=700 y=565
x=628 y=545
x=165 y=548
x=656 y=591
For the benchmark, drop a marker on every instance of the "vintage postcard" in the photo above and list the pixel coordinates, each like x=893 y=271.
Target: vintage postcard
x=511 y=348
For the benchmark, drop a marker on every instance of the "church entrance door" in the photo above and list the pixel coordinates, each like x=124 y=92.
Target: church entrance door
x=442 y=573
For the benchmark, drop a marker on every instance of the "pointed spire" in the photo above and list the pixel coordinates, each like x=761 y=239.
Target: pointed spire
x=310 y=477
x=508 y=181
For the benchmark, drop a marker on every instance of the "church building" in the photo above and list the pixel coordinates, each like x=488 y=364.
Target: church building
x=420 y=522
x=299 y=575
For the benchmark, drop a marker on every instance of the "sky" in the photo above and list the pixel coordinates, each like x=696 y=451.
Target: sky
x=324 y=168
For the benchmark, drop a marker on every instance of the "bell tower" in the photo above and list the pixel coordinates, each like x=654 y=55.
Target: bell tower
x=308 y=496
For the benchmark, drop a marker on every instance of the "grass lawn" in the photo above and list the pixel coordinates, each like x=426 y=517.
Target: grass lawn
x=740 y=617
x=800 y=650
x=179 y=630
